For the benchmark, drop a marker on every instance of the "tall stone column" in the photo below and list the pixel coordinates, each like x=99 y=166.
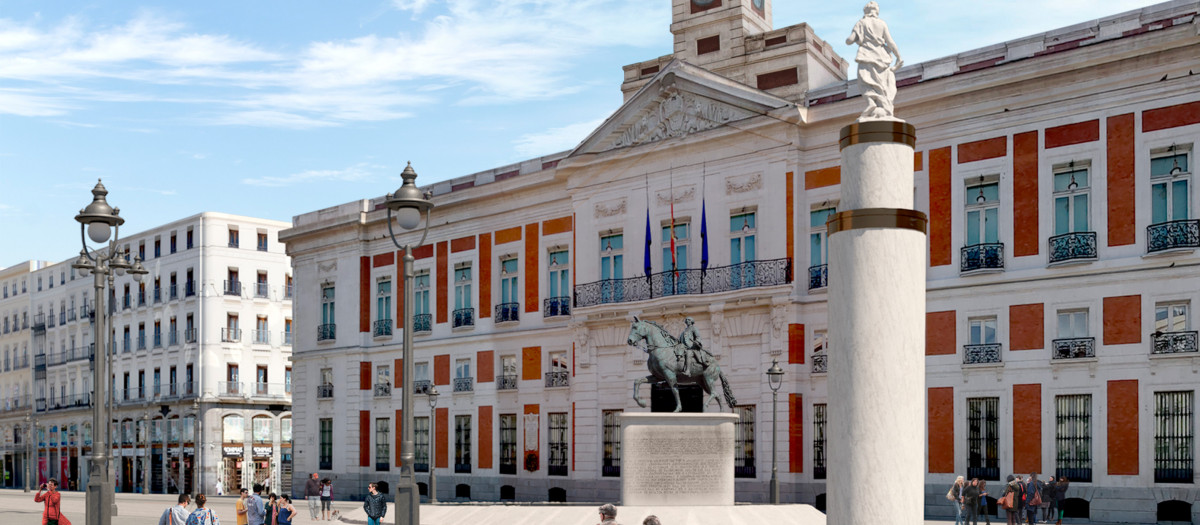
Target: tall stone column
x=877 y=249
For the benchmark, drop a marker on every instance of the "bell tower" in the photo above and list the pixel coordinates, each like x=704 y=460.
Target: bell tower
x=708 y=31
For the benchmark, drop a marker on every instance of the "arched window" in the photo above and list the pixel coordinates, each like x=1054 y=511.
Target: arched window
x=233 y=429
x=262 y=429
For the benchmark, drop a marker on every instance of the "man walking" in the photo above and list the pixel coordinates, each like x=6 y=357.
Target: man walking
x=312 y=492
x=255 y=511
x=176 y=514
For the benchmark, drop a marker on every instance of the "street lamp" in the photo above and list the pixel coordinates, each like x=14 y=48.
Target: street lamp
x=146 y=453
x=775 y=380
x=408 y=203
x=101 y=223
x=433 y=395
x=28 y=448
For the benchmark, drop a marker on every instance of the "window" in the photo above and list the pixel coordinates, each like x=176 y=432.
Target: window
x=233 y=237
x=1073 y=341
x=262 y=242
x=612 y=268
x=231 y=377
x=1170 y=179
x=233 y=429
x=1171 y=317
x=742 y=230
x=509 y=305
x=462 y=375
x=157 y=247
x=818 y=254
x=285 y=430
x=462 y=444
x=262 y=335
x=260 y=380
x=261 y=288
x=983 y=438
x=983 y=213
x=233 y=332
x=560 y=277
x=1171 y=328
x=743 y=445
x=421 y=444
x=189 y=378
x=141 y=334
x=328 y=318
x=1073 y=437
x=611 y=421
x=173 y=242
x=464 y=315
x=558 y=444
x=1071 y=193
x=982 y=330
x=189 y=238
x=1174 y=456
x=1072 y=323
x=287 y=331
x=560 y=370
x=383 y=308
x=142 y=250
x=675 y=282
x=262 y=429
x=819 y=421
x=287 y=380
x=382 y=440
x=508 y=443
x=326 y=444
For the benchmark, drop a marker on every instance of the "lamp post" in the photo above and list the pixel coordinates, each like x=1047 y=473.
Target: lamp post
x=146 y=453
x=101 y=223
x=28 y=447
x=433 y=395
x=408 y=203
x=775 y=380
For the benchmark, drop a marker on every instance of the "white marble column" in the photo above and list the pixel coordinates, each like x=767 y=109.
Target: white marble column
x=877 y=251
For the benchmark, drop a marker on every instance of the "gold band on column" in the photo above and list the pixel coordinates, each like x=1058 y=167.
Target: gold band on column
x=896 y=131
x=876 y=218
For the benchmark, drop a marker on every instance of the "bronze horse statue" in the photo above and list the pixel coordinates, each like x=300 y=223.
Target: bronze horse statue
x=666 y=367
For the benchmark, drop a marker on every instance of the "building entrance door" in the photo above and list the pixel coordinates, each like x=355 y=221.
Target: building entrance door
x=156 y=471
x=126 y=474
x=233 y=474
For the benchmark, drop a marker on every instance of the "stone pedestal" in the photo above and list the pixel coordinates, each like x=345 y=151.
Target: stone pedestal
x=877 y=250
x=677 y=459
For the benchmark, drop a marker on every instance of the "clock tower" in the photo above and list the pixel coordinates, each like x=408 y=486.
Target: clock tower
x=708 y=31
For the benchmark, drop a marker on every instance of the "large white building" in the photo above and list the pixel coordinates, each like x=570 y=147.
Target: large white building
x=1056 y=173
x=199 y=362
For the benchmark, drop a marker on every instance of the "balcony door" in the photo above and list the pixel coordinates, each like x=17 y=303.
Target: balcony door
x=1169 y=187
x=983 y=214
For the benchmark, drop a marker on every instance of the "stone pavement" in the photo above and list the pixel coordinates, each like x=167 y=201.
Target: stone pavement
x=18 y=508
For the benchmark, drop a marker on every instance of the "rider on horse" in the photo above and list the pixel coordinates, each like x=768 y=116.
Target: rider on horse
x=690 y=342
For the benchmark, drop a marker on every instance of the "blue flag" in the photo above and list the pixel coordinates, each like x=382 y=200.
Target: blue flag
x=646 y=263
x=703 y=237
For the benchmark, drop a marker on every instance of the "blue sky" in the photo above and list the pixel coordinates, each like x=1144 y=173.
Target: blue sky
x=273 y=108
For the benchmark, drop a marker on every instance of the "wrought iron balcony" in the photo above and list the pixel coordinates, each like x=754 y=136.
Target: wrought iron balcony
x=383 y=390
x=463 y=317
x=1173 y=342
x=1074 y=348
x=39 y=322
x=288 y=291
x=506 y=382
x=231 y=335
x=685 y=282
x=157 y=295
x=189 y=335
x=422 y=386
x=325 y=391
x=556 y=306
x=423 y=323
x=190 y=289
x=262 y=290
x=557 y=379
x=820 y=364
x=173 y=337
x=173 y=291
x=229 y=388
x=508 y=312
x=326 y=332
x=158 y=340
x=233 y=288
x=70 y=316
x=1173 y=234
x=1075 y=246
x=262 y=337
x=978 y=354
x=818 y=276
x=142 y=298
x=383 y=327
x=234 y=242
x=982 y=257
x=464 y=384
x=287 y=337
x=141 y=342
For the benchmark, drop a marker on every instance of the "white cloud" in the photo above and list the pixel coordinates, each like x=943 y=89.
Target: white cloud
x=416 y=6
x=357 y=172
x=556 y=139
x=25 y=104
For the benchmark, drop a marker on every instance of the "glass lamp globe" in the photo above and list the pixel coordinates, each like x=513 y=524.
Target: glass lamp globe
x=408 y=217
x=99 y=232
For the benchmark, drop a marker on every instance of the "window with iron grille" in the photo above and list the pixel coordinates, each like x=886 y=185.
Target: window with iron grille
x=1174 y=457
x=508 y=443
x=326 y=449
x=983 y=438
x=382 y=441
x=1073 y=437
x=611 y=420
x=421 y=444
x=819 y=440
x=462 y=444
x=743 y=451
x=558 y=444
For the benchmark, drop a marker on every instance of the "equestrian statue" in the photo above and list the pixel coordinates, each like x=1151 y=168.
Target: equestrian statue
x=678 y=361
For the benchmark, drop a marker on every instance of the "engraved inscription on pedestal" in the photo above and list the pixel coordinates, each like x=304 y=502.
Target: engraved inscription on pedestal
x=677 y=459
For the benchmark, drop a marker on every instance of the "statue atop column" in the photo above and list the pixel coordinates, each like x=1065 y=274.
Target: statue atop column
x=876 y=73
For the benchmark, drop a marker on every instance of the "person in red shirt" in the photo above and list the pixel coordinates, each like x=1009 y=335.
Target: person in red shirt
x=48 y=495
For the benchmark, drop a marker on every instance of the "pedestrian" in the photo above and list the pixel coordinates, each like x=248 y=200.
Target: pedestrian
x=1033 y=498
x=983 y=502
x=272 y=508
x=955 y=496
x=176 y=514
x=220 y=489
x=202 y=515
x=256 y=512
x=651 y=520
x=286 y=511
x=50 y=498
x=241 y=506
x=312 y=492
x=326 y=498
x=1060 y=494
x=1014 y=497
x=1049 y=505
x=375 y=504
x=970 y=502
x=608 y=514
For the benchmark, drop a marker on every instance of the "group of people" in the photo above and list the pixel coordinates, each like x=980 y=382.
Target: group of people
x=608 y=516
x=251 y=510
x=1023 y=500
x=320 y=496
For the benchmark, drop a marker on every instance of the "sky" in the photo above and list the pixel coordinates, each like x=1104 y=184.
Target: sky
x=274 y=108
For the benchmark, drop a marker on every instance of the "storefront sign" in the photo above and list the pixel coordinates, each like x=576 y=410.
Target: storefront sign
x=260 y=452
x=232 y=451
x=189 y=451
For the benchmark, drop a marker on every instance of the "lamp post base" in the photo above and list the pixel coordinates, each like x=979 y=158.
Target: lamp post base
x=101 y=506
x=408 y=500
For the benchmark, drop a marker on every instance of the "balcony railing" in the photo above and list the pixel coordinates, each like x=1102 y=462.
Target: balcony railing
x=326 y=332
x=508 y=312
x=325 y=391
x=818 y=276
x=1173 y=234
x=158 y=340
x=383 y=390
x=556 y=306
x=70 y=316
x=270 y=390
x=173 y=337
x=287 y=337
x=820 y=364
x=1173 y=342
x=506 y=382
x=557 y=379
x=982 y=257
x=464 y=384
x=262 y=290
x=157 y=295
x=423 y=323
x=422 y=386
x=288 y=291
x=189 y=335
x=685 y=282
x=233 y=288
x=173 y=291
x=1074 y=348
x=231 y=335
x=383 y=327
x=141 y=342
x=463 y=317
x=229 y=388
x=978 y=354
x=189 y=289
x=75 y=401
x=1073 y=246
x=262 y=337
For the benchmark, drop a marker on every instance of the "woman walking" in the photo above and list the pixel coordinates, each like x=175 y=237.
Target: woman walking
x=983 y=503
x=971 y=502
x=955 y=496
x=202 y=515
x=326 y=498
x=286 y=511
x=375 y=505
x=1013 y=498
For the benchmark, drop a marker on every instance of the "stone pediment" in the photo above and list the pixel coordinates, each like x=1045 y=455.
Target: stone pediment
x=681 y=100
